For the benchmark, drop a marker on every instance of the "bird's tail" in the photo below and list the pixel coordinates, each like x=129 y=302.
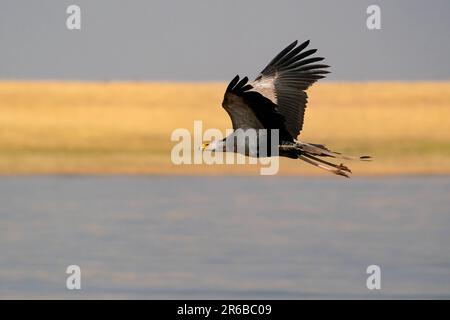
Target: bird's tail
x=313 y=153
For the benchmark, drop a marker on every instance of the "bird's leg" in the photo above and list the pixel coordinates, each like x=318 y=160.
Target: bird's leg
x=335 y=171
x=294 y=152
x=337 y=166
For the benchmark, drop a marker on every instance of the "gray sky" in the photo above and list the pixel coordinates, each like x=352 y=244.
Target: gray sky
x=215 y=40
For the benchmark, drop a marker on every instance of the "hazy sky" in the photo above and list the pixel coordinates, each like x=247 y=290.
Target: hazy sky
x=215 y=40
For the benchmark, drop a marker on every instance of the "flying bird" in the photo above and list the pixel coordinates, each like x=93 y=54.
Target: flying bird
x=276 y=100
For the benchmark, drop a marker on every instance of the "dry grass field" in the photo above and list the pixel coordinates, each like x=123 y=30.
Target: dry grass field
x=125 y=128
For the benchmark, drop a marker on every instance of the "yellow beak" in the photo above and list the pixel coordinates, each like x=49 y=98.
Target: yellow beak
x=204 y=146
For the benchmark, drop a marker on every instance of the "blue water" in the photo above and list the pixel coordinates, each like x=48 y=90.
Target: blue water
x=224 y=237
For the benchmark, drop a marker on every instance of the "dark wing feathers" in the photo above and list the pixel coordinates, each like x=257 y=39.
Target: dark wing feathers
x=281 y=54
x=233 y=83
x=276 y=99
x=249 y=109
x=285 y=79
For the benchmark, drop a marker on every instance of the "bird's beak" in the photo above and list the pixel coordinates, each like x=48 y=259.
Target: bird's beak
x=204 y=146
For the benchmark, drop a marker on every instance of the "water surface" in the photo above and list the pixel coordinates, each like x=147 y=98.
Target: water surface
x=224 y=237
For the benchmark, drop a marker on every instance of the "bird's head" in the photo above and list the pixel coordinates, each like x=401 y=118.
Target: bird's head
x=205 y=145
x=214 y=145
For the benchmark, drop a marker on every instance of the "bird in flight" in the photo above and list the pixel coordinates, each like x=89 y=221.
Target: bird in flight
x=276 y=100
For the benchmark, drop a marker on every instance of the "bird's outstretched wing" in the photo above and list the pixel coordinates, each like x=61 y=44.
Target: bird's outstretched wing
x=250 y=109
x=285 y=79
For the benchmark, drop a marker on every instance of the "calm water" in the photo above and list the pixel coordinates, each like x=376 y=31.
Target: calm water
x=236 y=237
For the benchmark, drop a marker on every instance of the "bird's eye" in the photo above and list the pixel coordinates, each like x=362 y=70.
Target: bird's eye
x=205 y=145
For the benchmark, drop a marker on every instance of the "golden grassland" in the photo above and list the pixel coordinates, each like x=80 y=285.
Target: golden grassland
x=125 y=128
